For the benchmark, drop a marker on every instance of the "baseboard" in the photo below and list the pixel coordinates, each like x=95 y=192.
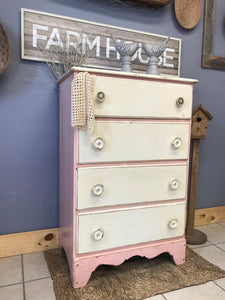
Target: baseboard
x=210 y=215
x=33 y=241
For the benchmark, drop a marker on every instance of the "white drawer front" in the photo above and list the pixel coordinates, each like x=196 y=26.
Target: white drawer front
x=139 y=98
x=134 y=141
x=130 y=184
x=101 y=231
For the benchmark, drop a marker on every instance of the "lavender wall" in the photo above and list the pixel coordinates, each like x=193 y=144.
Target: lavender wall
x=29 y=109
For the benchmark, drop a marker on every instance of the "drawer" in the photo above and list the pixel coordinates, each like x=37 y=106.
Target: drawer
x=106 y=230
x=105 y=186
x=142 y=98
x=134 y=141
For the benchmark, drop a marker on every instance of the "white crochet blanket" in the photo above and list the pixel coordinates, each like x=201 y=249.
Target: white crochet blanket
x=82 y=102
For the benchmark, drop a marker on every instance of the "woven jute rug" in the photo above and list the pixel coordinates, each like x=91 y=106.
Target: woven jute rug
x=137 y=278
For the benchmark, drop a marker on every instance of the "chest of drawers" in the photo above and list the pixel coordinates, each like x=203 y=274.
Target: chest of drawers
x=124 y=192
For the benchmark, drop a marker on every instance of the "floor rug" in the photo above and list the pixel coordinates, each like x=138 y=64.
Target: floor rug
x=135 y=279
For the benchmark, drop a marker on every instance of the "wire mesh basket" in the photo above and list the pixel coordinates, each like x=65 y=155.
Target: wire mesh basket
x=5 y=49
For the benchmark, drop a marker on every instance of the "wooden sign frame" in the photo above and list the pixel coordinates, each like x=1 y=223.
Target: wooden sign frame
x=43 y=33
x=208 y=59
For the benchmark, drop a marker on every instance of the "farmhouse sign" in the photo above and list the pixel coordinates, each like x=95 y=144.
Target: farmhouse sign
x=45 y=35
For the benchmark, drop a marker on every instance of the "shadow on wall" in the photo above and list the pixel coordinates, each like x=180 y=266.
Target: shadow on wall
x=4 y=78
x=105 y=7
x=224 y=28
x=123 y=10
x=22 y=73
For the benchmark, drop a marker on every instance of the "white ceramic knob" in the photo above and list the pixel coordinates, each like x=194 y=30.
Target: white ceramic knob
x=180 y=101
x=98 y=189
x=98 y=234
x=100 y=96
x=174 y=184
x=98 y=143
x=173 y=223
x=177 y=142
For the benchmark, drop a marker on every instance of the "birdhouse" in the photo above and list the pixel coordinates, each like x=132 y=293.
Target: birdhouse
x=200 y=120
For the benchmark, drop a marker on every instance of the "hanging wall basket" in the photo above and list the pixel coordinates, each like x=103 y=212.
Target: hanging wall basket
x=188 y=12
x=151 y=3
x=5 y=49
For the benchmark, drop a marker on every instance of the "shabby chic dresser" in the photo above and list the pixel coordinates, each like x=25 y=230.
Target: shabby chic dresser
x=123 y=192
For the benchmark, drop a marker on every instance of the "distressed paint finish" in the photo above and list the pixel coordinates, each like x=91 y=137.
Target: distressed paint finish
x=45 y=35
x=129 y=226
x=134 y=141
x=117 y=187
x=82 y=265
x=156 y=99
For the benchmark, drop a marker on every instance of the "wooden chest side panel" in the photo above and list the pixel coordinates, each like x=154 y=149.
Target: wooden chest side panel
x=66 y=172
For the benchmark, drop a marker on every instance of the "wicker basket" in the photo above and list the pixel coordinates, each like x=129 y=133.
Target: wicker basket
x=5 y=49
x=150 y=3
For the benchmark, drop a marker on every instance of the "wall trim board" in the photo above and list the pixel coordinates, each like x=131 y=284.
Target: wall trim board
x=40 y=240
x=26 y=242
x=210 y=215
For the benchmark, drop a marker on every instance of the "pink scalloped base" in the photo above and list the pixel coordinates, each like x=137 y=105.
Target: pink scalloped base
x=84 y=265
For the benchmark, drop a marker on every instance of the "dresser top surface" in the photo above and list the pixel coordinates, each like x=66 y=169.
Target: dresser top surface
x=128 y=74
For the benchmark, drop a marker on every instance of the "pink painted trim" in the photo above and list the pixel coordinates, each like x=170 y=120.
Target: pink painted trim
x=85 y=265
x=188 y=160
x=126 y=206
x=130 y=164
x=142 y=120
x=67 y=75
x=133 y=247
